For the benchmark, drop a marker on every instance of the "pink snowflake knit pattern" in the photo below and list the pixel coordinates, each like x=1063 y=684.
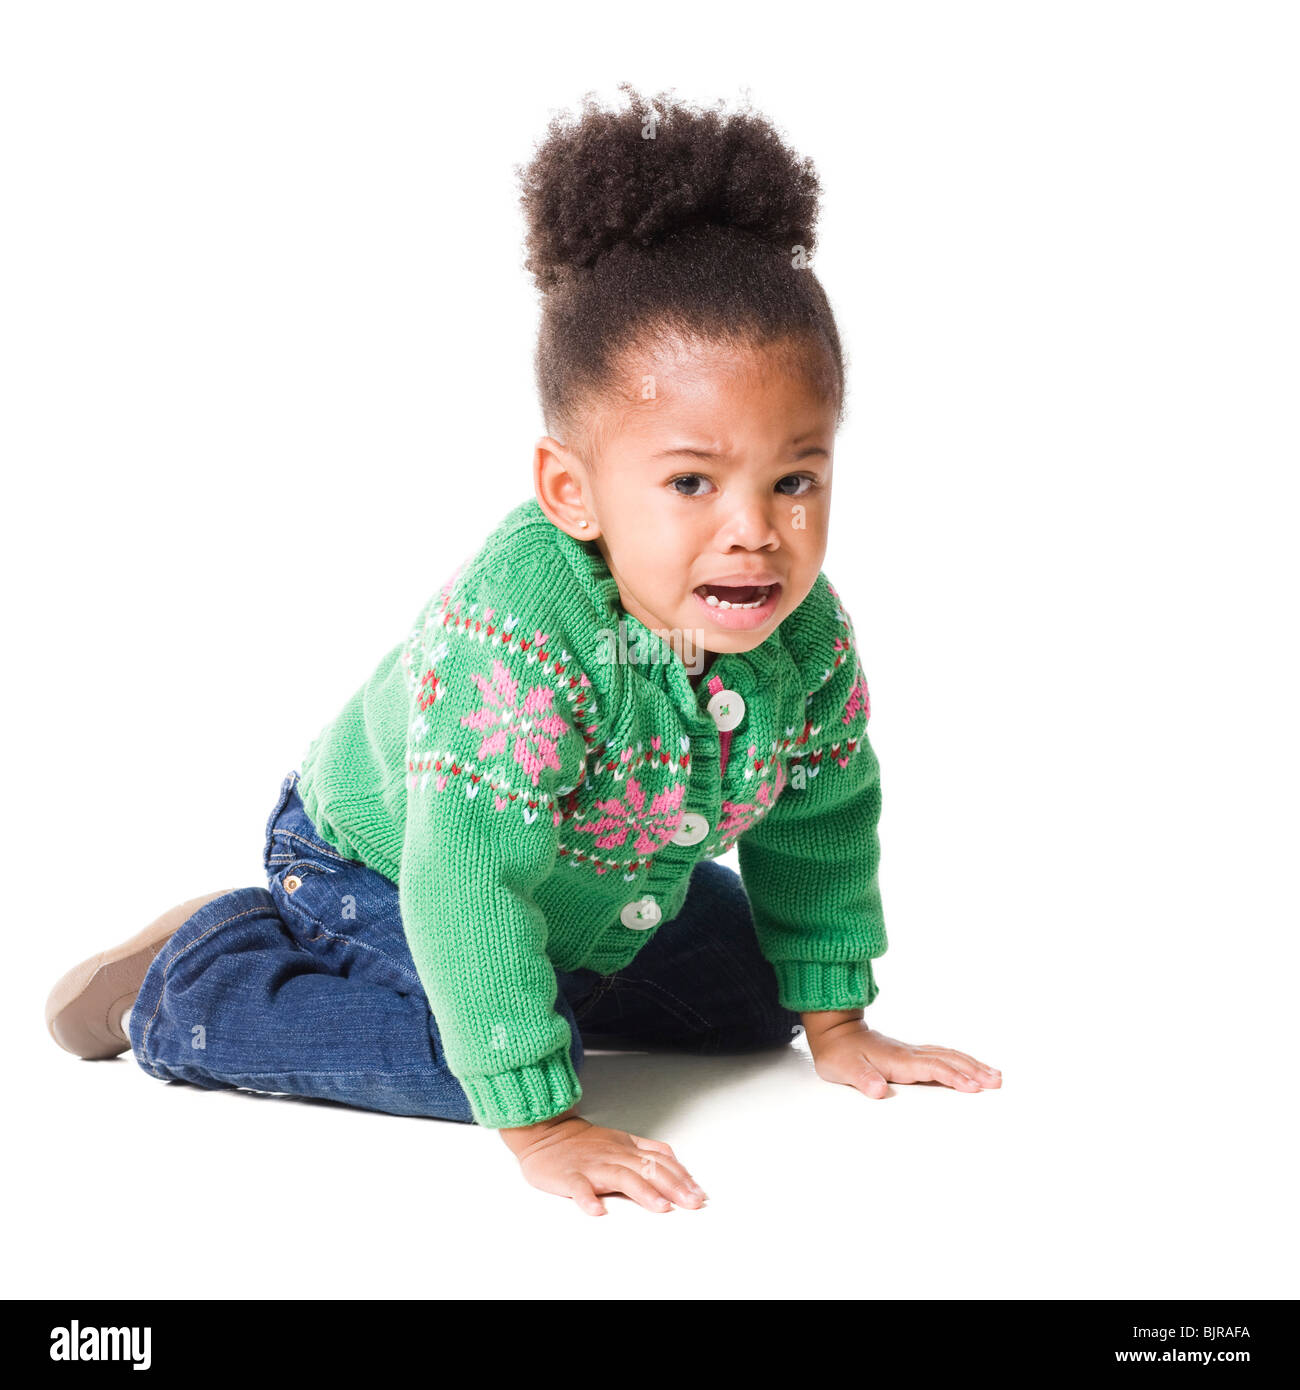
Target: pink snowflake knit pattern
x=654 y=826
x=532 y=722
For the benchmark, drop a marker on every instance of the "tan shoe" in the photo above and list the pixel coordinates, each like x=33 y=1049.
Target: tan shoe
x=84 y=1010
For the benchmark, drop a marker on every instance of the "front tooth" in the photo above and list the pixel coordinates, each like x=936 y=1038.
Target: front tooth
x=715 y=602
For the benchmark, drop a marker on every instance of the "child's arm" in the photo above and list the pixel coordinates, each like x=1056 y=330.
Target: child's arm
x=810 y=867
x=491 y=745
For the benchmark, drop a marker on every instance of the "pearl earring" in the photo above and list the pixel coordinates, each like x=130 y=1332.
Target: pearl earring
x=583 y=524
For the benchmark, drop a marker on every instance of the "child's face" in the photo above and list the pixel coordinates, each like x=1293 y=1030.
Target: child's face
x=721 y=474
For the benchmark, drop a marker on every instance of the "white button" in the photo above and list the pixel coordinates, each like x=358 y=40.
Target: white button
x=641 y=914
x=727 y=709
x=692 y=830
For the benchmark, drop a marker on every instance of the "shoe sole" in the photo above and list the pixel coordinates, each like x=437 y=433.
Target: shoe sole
x=85 y=1008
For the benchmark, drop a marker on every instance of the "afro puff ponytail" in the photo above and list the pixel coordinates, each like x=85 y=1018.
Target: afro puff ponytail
x=662 y=220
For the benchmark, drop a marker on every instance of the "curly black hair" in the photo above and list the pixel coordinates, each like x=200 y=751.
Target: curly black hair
x=664 y=221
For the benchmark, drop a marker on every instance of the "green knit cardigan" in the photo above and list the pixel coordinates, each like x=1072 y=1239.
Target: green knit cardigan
x=535 y=771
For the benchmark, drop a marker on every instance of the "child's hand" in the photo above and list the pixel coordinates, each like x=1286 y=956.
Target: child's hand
x=854 y=1055
x=574 y=1158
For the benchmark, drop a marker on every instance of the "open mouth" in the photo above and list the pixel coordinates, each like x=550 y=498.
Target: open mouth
x=726 y=596
x=747 y=609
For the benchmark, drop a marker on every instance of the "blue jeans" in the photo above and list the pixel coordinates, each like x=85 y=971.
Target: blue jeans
x=253 y=992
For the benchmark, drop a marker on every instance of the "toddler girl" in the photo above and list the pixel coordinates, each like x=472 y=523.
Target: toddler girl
x=504 y=843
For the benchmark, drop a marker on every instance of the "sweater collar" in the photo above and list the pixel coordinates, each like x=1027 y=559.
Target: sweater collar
x=746 y=672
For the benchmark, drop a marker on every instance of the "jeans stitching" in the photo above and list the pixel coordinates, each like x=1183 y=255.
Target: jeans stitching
x=289 y=900
x=649 y=986
x=603 y=987
x=314 y=844
x=650 y=989
x=356 y=1071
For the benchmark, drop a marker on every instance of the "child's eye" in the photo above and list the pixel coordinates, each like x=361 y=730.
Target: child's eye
x=799 y=478
x=687 y=478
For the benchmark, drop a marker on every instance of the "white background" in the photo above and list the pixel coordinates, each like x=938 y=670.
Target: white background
x=267 y=377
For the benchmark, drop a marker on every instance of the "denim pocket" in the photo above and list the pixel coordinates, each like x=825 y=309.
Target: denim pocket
x=271 y=853
x=349 y=916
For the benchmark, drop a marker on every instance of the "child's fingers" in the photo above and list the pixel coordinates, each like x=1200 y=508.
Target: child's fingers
x=688 y=1186
x=966 y=1061
x=672 y=1179
x=617 y=1177
x=584 y=1194
x=939 y=1070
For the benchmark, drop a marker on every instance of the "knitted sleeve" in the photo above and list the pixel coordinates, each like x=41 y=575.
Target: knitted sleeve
x=809 y=865
x=491 y=745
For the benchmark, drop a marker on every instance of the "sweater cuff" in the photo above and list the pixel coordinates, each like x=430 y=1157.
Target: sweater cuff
x=526 y=1095
x=811 y=986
